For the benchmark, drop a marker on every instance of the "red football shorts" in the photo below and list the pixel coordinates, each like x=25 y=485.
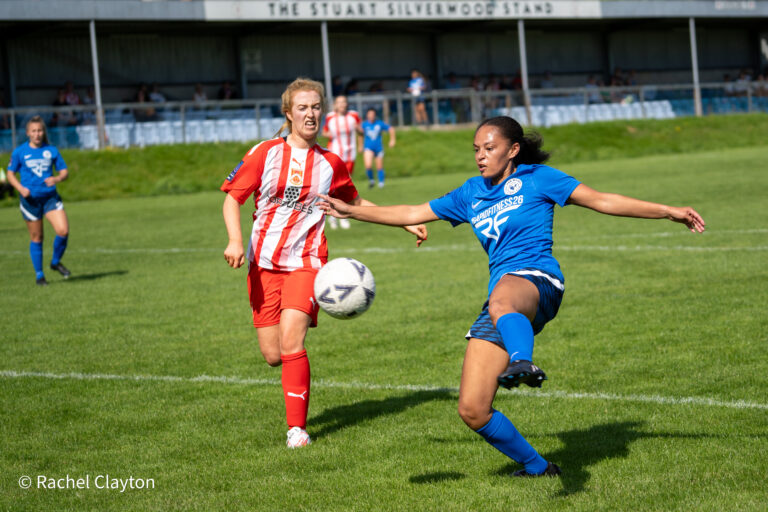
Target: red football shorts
x=272 y=291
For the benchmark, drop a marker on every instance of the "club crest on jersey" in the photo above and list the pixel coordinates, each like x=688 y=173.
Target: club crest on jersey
x=296 y=174
x=513 y=186
x=234 y=171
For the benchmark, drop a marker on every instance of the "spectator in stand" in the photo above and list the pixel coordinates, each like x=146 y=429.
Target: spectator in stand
x=70 y=96
x=336 y=86
x=546 y=82
x=89 y=99
x=148 y=113
x=594 y=95
x=417 y=86
x=227 y=92
x=742 y=83
x=352 y=88
x=457 y=106
x=376 y=87
x=199 y=95
x=517 y=81
x=760 y=86
x=64 y=117
x=155 y=96
x=631 y=78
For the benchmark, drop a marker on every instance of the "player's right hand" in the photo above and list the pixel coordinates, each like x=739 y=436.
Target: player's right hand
x=234 y=254
x=24 y=191
x=334 y=207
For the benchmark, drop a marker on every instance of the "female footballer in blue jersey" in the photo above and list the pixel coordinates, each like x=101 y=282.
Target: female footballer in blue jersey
x=35 y=161
x=511 y=206
x=373 y=148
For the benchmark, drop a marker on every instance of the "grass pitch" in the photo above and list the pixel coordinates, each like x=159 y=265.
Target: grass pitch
x=145 y=364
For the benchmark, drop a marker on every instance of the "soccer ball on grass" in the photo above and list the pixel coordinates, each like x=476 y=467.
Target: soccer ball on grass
x=344 y=288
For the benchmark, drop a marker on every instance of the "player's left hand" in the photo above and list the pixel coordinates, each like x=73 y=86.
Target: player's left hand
x=420 y=231
x=689 y=217
x=51 y=181
x=391 y=143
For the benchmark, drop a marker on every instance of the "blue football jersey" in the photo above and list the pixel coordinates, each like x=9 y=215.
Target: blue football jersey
x=373 y=132
x=35 y=165
x=512 y=220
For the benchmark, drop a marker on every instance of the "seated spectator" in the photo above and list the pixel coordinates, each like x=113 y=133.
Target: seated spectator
x=546 y=82
x=593 y=95
x=352 y=88
x=144 y=114
x=70 y=96
x=89 y=117
x=337 y=87
x=741 y=86
x=199 y=95
x=155 y=95
x=729 y=87
x=376 y=87
x=453 y=82
x=64 y=117
x=227 y=92
x=760 y=86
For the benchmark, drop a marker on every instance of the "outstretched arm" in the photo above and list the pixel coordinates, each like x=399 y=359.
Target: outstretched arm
x=416 y=228
x=398 y=215
x=623 y=206
x=392 y=136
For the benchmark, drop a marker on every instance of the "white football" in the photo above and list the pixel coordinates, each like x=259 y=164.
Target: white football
x=344 y=288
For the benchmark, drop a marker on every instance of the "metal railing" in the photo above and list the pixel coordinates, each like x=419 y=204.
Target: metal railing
x=140 y=124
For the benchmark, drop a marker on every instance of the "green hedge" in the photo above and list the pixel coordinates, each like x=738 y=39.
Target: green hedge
x=161 y=170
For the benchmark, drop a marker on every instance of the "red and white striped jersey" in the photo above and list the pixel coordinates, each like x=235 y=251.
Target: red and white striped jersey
x=342 y=134
x=285 y=183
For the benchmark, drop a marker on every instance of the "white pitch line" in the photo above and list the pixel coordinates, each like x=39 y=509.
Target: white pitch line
x=321 y=383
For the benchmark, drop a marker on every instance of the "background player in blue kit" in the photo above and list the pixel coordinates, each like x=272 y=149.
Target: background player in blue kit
x=373 y=148
x=35 y=161
x=511 y=207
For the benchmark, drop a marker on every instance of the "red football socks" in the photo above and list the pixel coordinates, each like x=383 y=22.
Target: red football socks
x=295 y=380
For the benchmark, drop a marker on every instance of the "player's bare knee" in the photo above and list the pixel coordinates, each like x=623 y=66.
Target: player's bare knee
x=498 y=308
x=473 y=415
x=273 y=360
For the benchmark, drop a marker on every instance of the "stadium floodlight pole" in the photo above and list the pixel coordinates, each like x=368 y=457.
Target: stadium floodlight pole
x=97 y=85
x=326 y=62
x=524 y=69
x=695 y=65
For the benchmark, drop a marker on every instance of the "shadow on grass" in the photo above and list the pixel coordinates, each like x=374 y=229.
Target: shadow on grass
x=342 y=416
x=587 y=447
x=98 y=275
x=439 y=476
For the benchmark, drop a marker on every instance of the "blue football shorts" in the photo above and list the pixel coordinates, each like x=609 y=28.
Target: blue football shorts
x=550 y=296
x=377 y=150
x=34 y=208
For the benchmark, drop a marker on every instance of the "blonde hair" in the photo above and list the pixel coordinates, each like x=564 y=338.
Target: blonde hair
x=38 y=119
x=300 y=84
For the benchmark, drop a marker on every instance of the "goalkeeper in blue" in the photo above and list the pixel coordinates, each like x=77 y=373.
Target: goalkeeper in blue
x=510 y=206
x=34 y=162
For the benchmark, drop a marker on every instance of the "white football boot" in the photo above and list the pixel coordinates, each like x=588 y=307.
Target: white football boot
x=297 y=437
x=333 y=223
x=344 y=223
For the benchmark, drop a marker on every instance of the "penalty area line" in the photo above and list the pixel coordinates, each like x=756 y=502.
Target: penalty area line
x=322 y=383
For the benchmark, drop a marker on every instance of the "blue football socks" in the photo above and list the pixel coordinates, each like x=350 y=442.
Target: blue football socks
x=517 y=333
x=381 y=175
x=502 y=435
x=36 y=255
x=369 y=173
x=59 y=246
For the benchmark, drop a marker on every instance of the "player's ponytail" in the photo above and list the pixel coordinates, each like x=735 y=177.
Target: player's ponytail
x=530 y=144
x=38 y=119
x=300 y=84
